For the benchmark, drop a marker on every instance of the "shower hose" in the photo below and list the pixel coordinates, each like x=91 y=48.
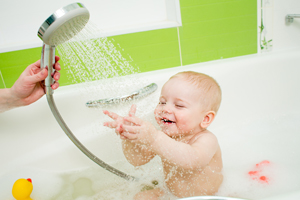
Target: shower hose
x=59 y=119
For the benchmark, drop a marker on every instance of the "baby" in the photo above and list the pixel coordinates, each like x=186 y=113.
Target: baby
x=190 y=154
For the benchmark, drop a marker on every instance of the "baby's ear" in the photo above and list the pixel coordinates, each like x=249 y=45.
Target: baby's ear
x=208 y=119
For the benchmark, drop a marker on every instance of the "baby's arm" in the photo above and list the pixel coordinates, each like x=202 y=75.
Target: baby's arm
x=187 y=156
x=192 y=156
x=136 y=154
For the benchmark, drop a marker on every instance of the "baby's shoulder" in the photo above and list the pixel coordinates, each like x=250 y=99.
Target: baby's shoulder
x=204 y=137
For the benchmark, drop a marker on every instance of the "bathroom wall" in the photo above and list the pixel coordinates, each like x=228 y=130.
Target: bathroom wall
x=285 y=36
x=112 y=17
x=211 y=30
x=277 y=35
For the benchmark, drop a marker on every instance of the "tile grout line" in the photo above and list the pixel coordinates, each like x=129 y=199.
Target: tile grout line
x=2 y=79
x=179 y=46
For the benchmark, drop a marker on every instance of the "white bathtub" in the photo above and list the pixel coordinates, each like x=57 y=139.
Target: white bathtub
x=258 y=120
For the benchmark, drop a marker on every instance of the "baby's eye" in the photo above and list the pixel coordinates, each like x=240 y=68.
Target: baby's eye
x=179 y=106
x=162 y=102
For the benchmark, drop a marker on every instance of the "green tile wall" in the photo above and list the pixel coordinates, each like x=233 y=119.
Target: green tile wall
x=215 y=29
x=13 y=63
x=211 y=29
x=151 y=50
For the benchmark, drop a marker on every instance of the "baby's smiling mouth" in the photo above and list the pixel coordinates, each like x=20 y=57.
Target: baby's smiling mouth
x=167 y=121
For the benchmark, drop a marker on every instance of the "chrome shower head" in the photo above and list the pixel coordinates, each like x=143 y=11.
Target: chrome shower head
x=61 y=26
x=64 y=24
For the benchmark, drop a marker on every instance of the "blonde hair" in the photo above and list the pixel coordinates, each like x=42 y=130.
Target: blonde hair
x=209 y=89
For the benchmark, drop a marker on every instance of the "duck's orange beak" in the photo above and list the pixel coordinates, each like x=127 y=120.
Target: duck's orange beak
x=29 y=179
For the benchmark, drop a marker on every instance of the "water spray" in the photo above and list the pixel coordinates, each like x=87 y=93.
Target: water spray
x=61 y=26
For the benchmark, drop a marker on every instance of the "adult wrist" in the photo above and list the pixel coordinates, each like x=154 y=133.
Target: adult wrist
x=8 y=100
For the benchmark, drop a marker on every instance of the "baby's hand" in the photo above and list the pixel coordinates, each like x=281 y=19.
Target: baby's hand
x=118 y=120
x=138 y=131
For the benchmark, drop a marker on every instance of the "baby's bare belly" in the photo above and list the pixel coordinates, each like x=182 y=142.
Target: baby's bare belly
x=183 y=183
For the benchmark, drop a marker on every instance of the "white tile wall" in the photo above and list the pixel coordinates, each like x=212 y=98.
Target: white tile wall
x=20 y=20
x=284 y=36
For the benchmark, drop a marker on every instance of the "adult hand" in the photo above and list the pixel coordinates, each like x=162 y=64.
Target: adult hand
x=28 y=88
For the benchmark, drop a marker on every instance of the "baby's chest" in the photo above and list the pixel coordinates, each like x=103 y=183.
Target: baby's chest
x=172 y=172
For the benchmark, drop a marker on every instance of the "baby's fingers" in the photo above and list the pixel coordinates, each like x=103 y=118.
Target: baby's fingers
x=113 y=124
x=134 y=120
x=123 y=137
x=130 y=129
x=132 y=110
x=111 y=114
x=120 y=131
x=129 y=136
x=128 y=133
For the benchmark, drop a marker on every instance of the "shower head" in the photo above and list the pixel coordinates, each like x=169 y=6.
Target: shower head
x=61 y=26
x=64 y=24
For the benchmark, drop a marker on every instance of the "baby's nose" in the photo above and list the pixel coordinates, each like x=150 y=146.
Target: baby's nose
x=167 y=109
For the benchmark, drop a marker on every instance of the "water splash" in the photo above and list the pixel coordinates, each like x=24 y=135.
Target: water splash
x=89 y=57
x=96 y=61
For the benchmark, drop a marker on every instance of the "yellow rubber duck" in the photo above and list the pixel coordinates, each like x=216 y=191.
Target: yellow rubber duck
x=22 y=189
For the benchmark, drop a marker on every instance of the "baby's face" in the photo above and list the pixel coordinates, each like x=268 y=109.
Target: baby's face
x=179 y=111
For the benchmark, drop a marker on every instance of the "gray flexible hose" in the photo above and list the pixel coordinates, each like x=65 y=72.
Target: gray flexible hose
x=84 y=150
x=48 y=59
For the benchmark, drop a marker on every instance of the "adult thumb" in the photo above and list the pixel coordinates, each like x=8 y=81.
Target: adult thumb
x=39 y=76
